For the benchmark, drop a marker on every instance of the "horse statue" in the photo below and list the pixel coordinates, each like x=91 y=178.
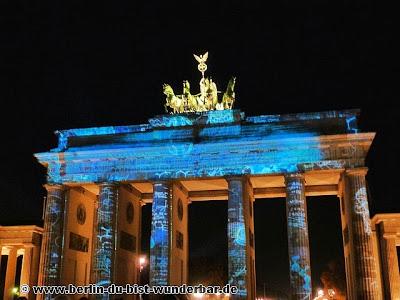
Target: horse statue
x=229 y=96
x=214 y=93
x=175 y=102
x=206 y=100
x=191 y=101
x=210 y=94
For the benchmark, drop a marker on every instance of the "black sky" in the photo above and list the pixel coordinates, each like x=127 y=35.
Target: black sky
x=71 y=64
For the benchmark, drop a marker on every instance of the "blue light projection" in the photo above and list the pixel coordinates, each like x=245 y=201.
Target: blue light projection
x=105 y=237
x=221 y=116
x=303 y=273
x=298 y=245
x=64 y=135
x=171 y=121
x=352 y=124
x=349 y=115
x=237 y=256
x=53 y=233
x=197 y=118
x=218 y=143
x=160 y=234
x=190 y=160
x=361 y=208
x=362 y=245
x=296 y=214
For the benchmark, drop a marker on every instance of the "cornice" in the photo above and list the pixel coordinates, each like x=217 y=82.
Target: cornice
x=125 y=151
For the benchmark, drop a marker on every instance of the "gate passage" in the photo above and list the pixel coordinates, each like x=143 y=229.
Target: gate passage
x=98 y=179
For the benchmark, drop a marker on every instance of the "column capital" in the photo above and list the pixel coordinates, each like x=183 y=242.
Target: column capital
x=162 y=181
x=54 y=186
x=292 y=176
x=356 y=171
x=108 y=183
x=236 y=177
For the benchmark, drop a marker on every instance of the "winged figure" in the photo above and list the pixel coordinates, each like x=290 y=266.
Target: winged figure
x=201 y=58
x=206 y=100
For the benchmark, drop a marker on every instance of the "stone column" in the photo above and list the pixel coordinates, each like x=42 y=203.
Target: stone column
x=1 y=250
x=129 y=223
x=105 y=237
x=298 y=244
x=26 y=268
x=9 y=282
x=160 y=240
x=35 y=265
x=240 y=238
x=364 y=283
x=179 y=249
x=53 y=234
x=390 y=266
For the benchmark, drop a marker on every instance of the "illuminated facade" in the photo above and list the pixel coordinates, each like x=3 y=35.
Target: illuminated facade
x=19 y=259
x=386 y=236
x=98 y=179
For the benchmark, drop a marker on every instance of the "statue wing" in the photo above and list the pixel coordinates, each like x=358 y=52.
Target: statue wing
x=197 y=58
x=205 y=56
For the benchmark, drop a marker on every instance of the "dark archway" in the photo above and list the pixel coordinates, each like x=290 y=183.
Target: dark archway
x=326 y=245
x=208 y=243
x=272 y=260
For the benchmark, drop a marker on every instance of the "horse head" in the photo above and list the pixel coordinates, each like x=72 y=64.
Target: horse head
x=231 y=84
x=167 y=90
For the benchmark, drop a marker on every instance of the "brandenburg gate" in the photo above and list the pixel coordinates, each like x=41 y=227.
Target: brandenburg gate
x=98 y=179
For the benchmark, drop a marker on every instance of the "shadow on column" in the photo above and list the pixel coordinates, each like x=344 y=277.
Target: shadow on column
x=398 y=256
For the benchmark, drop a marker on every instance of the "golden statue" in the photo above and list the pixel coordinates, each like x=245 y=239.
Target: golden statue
x=206 y=100
x=202 y=62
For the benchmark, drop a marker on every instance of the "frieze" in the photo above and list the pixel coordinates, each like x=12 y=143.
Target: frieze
x=331 y=122
x=211 y=151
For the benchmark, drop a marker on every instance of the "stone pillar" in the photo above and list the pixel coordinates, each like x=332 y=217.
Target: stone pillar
x=9 y=282
x=390 y=264
x=179 y=250
x=378 y=262
x=26 y=268
x=240 y=238
x=160 y=240
x=298 y=244
x=1 y=250
x=35 y=268
x=105 y=237
x=129 y=232
x=364 y=280
x=52 y=252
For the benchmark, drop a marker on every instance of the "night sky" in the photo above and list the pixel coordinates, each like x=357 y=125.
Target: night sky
x=87 y=64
